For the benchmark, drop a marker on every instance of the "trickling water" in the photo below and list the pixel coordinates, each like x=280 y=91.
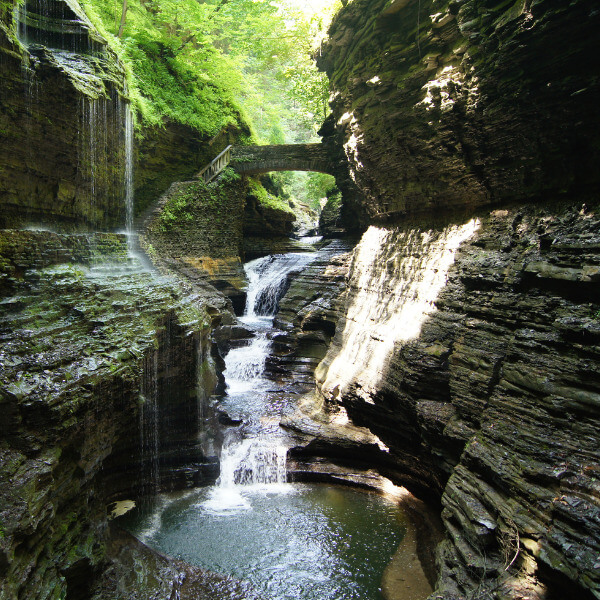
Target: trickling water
x=268 y=280
x=149 y=437
x=128 y=170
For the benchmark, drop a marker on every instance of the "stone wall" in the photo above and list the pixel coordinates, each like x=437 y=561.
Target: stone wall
x=446 y=104
x=196 y=230
x=103 y=371
x=470 y=348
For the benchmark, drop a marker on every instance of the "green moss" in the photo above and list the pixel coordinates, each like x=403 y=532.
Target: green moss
x=183 y=206
x=267 y=200
x=161 y=84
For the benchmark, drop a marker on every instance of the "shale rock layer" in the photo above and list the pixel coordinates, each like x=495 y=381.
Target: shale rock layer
x=103 y=370
x=489 y=394
x=443 y=103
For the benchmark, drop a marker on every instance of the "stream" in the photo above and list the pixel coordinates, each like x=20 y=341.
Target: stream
x=289 y=540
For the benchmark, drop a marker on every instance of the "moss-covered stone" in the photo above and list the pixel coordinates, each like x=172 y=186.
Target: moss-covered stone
x=86 y=333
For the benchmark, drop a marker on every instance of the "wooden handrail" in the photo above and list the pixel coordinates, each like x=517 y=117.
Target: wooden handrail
x=212 y=169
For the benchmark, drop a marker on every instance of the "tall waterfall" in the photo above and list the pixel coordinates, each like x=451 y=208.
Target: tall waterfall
x=128 y=118
x=100 y=190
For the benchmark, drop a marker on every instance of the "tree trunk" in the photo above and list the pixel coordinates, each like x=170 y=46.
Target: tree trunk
x=123 y=19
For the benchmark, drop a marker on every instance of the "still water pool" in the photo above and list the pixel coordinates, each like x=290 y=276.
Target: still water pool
x=291 y=541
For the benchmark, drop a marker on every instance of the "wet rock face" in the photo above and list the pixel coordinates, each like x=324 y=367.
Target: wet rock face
x=441 y=104
x=62 y=115
x=103 y=370
x=492 y=401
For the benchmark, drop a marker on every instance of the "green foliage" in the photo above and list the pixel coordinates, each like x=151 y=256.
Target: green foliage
x=208 y=64
x=193 y=84
x=266 y=199
x=334 y=201
x=177 y=209
x=319 y=186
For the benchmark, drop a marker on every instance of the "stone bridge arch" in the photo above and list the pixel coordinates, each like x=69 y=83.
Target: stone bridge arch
x=252 y=160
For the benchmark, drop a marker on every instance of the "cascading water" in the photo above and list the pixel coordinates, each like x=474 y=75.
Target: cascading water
x=292 y=541
x=259 y=457
x=268 y=280
x=128 y=169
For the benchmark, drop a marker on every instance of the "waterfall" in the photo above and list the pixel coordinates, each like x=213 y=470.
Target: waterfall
x=252 y=462
x=128 y=170
x=149 y=436
x=245 y=365
x=103 y=186
x=259 y=459
x=268 y=280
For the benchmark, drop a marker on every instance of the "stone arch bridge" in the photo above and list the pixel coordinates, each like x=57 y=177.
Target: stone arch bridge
x=252 y=160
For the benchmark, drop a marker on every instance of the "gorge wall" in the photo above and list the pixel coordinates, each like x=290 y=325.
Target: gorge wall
x=104 y=368
x=468 y=343
x=452 y=103
x=470 y=348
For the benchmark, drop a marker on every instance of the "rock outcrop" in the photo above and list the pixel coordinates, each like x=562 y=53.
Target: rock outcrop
x=470 y=349
x=103 y=371
x=62 y=115
x=195 y=230
x=442 y=104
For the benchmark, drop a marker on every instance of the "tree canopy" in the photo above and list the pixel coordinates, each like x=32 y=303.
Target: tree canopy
x=205 y=62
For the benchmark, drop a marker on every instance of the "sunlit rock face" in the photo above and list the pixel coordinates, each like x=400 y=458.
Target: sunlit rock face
x=488 y=396
x=395 y=278
x=442 y=103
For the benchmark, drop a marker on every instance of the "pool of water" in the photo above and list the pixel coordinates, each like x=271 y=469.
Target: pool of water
x=290 y=541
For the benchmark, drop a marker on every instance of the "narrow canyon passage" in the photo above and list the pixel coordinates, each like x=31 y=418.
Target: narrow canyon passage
x=404 y=405
x=289 y=540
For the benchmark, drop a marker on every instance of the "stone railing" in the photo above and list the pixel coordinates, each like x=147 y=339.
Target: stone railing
x=212 y=169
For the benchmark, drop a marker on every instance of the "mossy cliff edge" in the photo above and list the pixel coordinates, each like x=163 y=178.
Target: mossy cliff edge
x=103 y=369
x=64 y=113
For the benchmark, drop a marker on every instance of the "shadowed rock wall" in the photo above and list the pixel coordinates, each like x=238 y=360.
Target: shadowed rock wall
x=62 y=120
x=442 y=104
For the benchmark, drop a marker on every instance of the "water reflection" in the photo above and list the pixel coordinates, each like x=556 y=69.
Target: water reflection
x=291 y=541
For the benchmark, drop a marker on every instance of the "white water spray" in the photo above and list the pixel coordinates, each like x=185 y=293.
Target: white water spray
x=268 y=279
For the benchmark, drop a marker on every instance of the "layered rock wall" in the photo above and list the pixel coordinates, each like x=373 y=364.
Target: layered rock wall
x=470 y=348
x=196 y=229
x=441 y=104
x=103 y=371
x=62 y=120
